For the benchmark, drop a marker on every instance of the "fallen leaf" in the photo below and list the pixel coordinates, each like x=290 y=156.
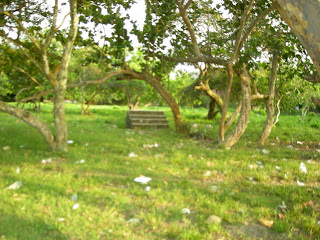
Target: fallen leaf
x=309 y=203
x=281 y=216
x=266 y=223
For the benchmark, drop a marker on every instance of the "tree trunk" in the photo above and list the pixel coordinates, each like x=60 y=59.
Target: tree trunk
x=33 y=121
x=158 y=86
x=224 y=111
x=61 y=83
x=91 y=99
x=212 y=109
x=304 y=20
x=233 y=137
x=270 y=104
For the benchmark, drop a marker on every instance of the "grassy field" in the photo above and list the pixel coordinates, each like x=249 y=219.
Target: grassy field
x=245 y=187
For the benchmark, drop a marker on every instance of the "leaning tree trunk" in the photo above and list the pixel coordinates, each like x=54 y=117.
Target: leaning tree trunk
x=233 y=137
x=270 y=104
x=158 y=86
x=33 y=121
x=304 y=20
x=224 y=111
x=212 y=109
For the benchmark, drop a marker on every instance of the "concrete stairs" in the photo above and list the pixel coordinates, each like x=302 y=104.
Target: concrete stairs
x=146 y=119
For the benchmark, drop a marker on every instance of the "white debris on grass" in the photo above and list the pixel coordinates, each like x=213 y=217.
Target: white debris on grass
x=18 y=171
x=82 y=161
x=132 y=154
x=300 y=183
x=45 y=161
x=74 y=197
x=147 y=189
x=70 y=141
x=14 y=186
x=133 y=220
x=75 y=206
x=265 y=151
x=214 y=188
x=6 y=148
x=142 y=179
x=278 y=168
x=185 y=211
x=207 y=173
x=299 y=142
x=148 y=146
x=282 y=206
x=303 y=168
x=61 y=219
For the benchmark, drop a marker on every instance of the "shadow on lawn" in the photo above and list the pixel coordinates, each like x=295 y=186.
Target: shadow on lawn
x=14 y=227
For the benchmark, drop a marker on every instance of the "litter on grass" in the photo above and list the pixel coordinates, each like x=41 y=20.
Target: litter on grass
x=14 y=186
x=185 y=211
x=70 y=141
x=300 y=183
x=264 y=151
x=45 y=161
x=133 y=220
x=149 y=146
x=299 y=142
x=147 y=189
x=6 y=148
x=82 y=161
x=61 y=219
x=278 y=168
x=142 y=179
x=75 y=206
x=303 y=168
x=18 y=171
x=132 y=154
x=74 y=197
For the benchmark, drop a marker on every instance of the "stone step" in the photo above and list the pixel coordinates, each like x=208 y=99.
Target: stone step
x=145 y=120
x=150 y=119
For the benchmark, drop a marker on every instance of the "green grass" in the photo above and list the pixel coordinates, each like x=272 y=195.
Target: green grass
x=108 y=197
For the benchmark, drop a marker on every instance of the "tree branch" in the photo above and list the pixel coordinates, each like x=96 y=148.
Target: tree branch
x=186 y=20
x=254 y=23
x=240 y=32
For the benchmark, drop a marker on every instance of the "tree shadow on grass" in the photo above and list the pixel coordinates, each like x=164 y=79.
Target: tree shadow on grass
x=14 y=227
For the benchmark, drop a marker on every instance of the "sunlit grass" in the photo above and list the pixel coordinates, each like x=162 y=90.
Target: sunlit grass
x=241 y=185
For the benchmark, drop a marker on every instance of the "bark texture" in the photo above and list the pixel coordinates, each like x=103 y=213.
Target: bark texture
x=303 y=17
x=233 y=137
x=270 y=104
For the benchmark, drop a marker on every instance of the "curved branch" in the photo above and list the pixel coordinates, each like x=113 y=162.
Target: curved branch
x=31 y=120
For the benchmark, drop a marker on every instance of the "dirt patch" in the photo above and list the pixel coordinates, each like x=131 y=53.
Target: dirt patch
x=253 y=232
